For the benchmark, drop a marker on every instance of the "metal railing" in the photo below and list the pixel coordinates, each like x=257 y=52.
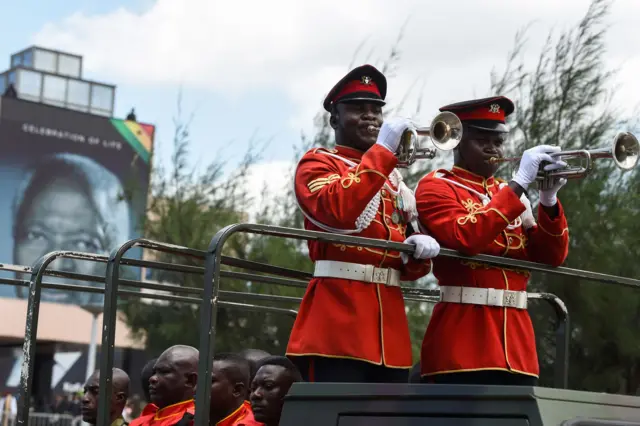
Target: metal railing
x=36 y=284
x=212 y=297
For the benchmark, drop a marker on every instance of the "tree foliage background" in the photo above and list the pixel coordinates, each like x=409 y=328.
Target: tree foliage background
x=567 y=99
x=564 y=98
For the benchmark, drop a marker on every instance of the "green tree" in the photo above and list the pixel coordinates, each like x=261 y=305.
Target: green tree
x=566 y=99
x=187 y=207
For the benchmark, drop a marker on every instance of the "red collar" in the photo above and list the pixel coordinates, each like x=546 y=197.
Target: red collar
x=349 y=153
x=175 y=409
x=242 y=416
x=469 y=177
x=150 y=408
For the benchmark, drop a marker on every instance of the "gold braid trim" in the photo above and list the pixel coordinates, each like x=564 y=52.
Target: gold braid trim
x=565 y=230
x=475 y=209
x=317 y=184
x=355 y=177
x=522 y=241
x=344 y=247
x=476 y=265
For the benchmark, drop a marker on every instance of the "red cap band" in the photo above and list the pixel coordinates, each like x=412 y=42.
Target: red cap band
x=491 y=112
x=364 y=85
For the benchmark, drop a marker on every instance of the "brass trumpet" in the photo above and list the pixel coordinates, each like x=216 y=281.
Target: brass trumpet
x=623 y=151
x=445 y=133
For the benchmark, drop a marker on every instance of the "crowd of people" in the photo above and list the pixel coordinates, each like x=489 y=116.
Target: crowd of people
x=247 y=389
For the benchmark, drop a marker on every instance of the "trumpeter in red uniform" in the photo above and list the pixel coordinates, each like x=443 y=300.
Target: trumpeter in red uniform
x=352 y=326
x=481 y=332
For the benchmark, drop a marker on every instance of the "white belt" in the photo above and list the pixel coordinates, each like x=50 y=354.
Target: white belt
x=357 y=272
x=484 y=296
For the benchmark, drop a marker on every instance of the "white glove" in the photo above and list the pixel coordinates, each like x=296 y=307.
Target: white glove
x=530 y=164
x=549 y=195
x=391 y=132
x=426 y=247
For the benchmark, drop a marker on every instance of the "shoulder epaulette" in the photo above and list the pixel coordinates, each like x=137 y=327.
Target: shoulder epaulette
x=329 y=150
x=439 y=173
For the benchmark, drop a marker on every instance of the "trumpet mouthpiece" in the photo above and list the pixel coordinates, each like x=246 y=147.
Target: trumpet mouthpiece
x=493 y=160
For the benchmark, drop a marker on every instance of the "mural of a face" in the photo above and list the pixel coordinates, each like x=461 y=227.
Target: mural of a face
x=69 y=203
x=61 y=217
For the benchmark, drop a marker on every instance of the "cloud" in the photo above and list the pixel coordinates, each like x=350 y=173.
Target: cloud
x=302 y=48
x=267 y=180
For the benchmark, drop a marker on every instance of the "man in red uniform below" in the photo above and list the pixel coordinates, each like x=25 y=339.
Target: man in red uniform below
x=172 y=387
x=274 y=378
x=352 y=325
x=481 y=332
x=145 y=375
x=229 y=389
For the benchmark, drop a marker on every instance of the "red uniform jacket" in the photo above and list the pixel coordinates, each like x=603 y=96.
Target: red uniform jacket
x=166 y=416
x=464 y=337
x=243 y=416
x=342 y=318
x=150 y=408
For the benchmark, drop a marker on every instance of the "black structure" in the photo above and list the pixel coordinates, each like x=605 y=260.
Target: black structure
x=449 y=405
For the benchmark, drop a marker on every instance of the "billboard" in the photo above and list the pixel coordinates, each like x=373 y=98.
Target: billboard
x=68 y=181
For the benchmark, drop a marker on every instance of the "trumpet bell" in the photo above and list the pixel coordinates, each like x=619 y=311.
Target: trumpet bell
x=625 y=150
x=446 y=131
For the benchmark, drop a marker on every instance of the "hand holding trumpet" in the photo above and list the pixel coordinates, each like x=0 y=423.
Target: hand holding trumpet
x=391 y=132
x=400 y=136
x=624 y=150
x=531 y=161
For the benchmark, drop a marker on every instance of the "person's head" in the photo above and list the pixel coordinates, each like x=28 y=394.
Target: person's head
x=175 y=375
x=253 y=356
x=355 y=103
x=119 y=395
x=229 y=385
x=145 y=375
x=68 y=202
x=273 y=379
x=484 y=133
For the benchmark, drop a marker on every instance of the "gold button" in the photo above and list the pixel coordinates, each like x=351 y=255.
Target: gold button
x=510 y=240
x=384 y=193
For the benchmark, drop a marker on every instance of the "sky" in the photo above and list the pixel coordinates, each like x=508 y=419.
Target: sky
x=258 y=71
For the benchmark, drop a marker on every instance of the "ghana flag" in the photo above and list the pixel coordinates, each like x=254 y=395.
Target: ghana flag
x=138 y=135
